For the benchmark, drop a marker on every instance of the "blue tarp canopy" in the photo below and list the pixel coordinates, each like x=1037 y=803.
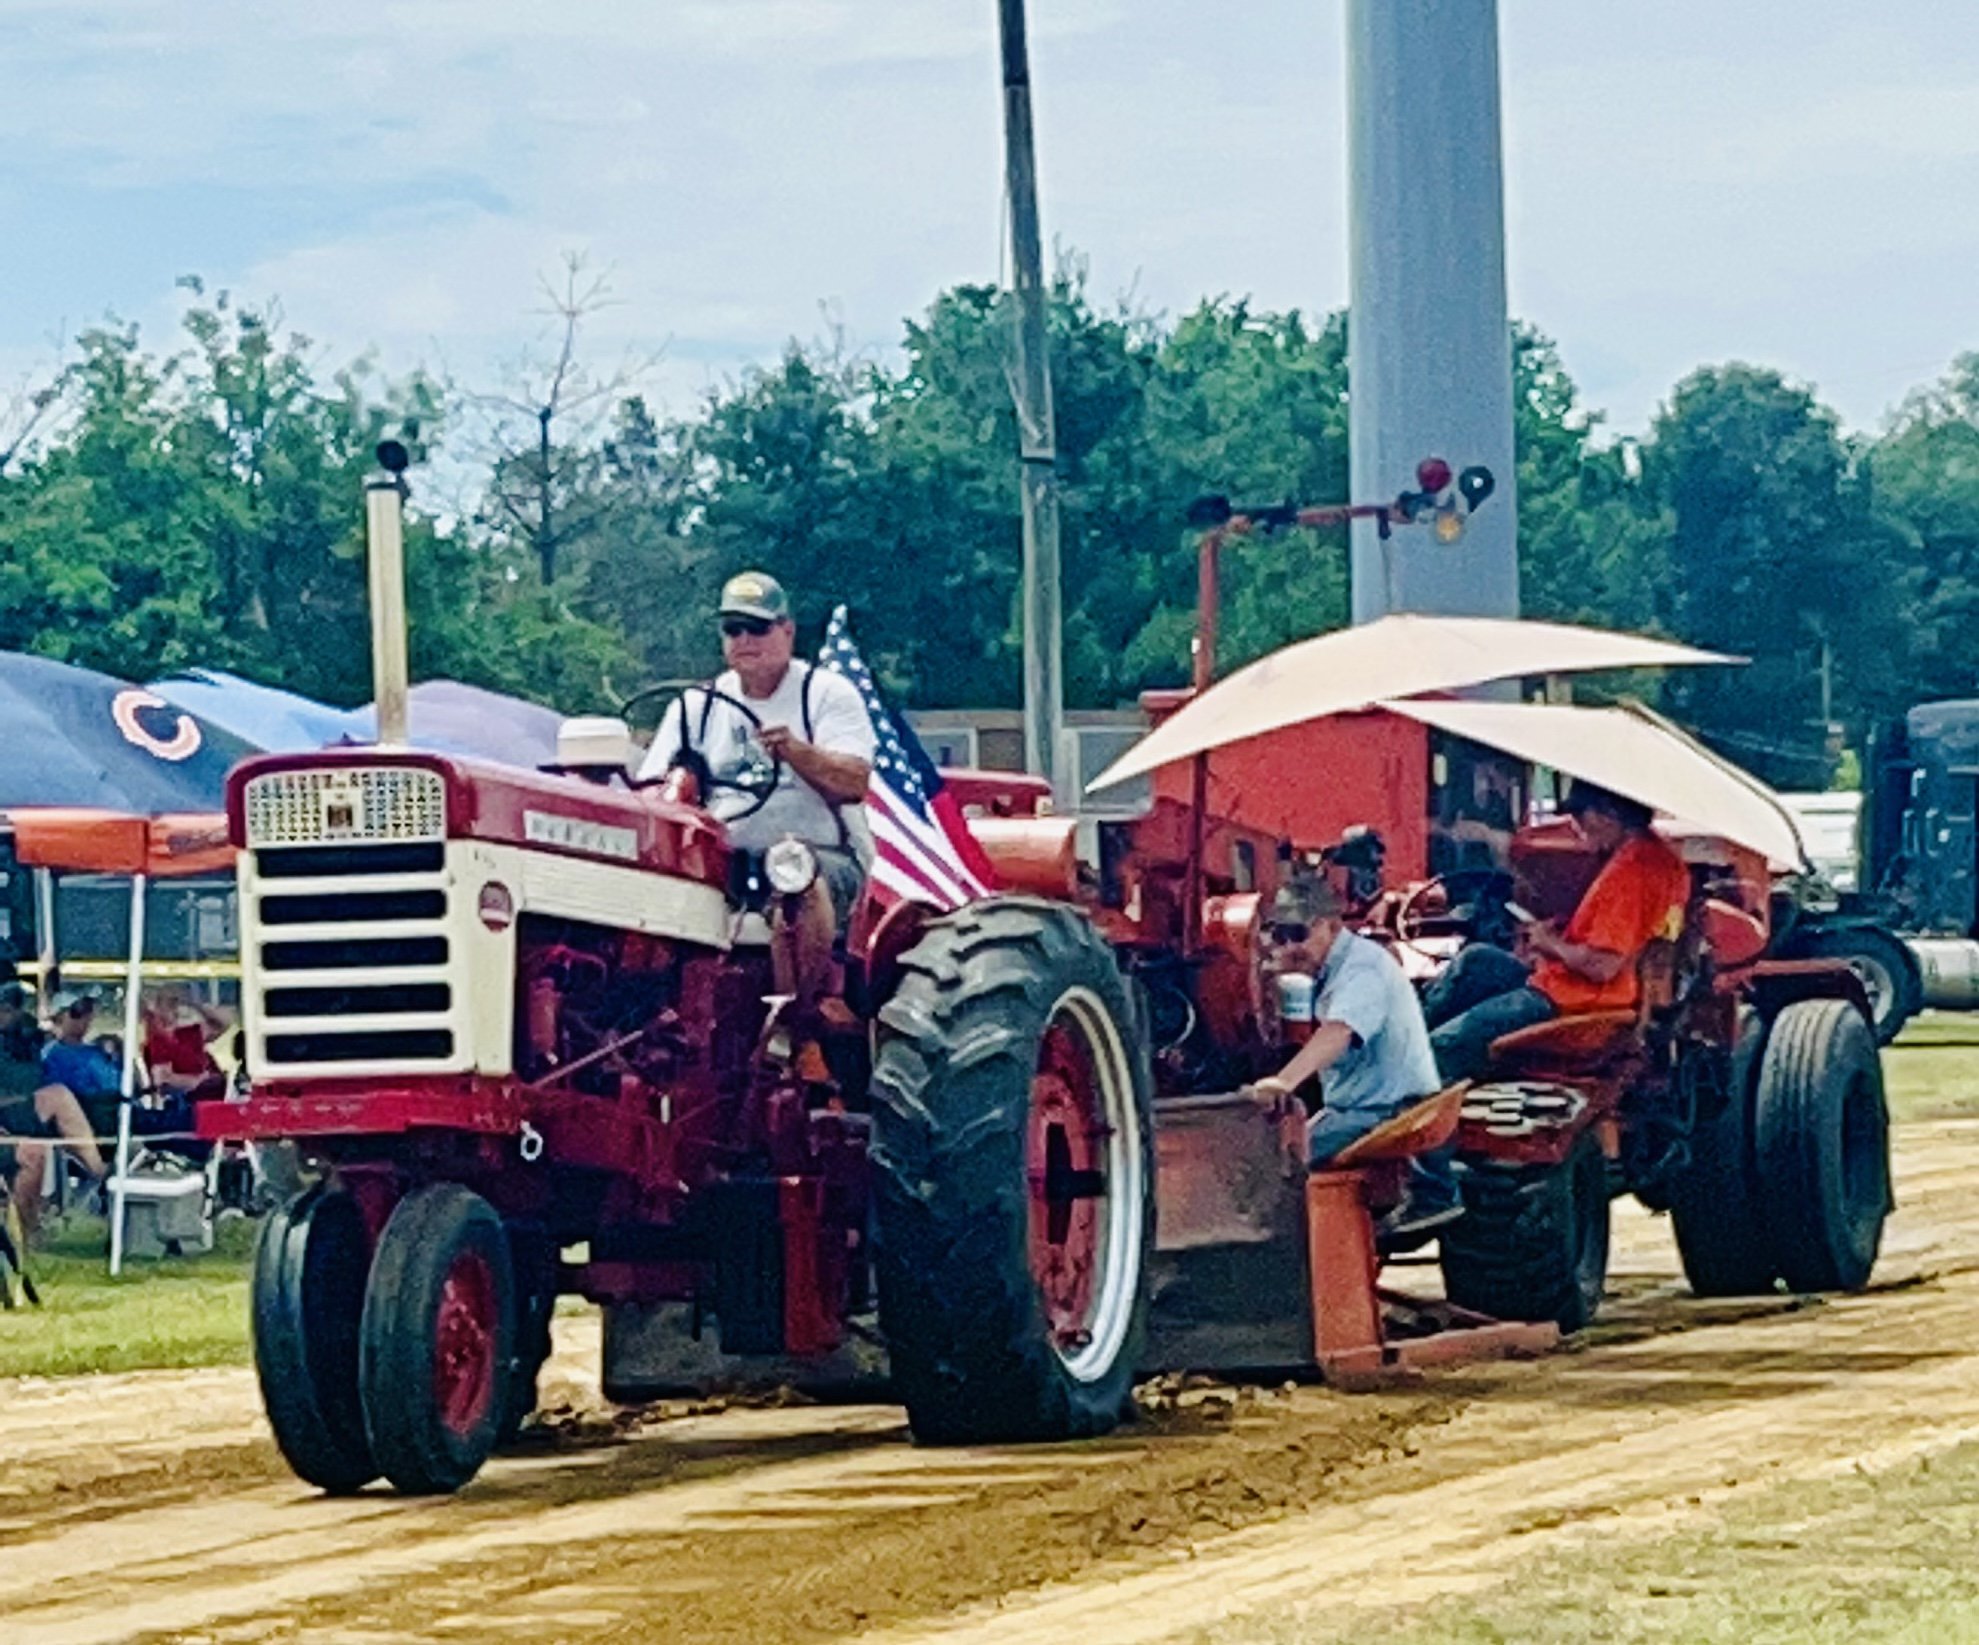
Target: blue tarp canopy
x=447 y=717
x=71 y=736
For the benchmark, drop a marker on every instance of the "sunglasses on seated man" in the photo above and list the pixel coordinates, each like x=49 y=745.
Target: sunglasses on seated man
x=754 y=627
x=1286 y=932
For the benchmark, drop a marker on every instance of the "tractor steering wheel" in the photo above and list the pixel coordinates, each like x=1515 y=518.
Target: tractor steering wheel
x=757 y=787
x=1483 y=915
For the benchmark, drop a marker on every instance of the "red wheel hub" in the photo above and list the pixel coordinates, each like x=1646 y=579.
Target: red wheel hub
x=464 y=1344
x=1065 y=1157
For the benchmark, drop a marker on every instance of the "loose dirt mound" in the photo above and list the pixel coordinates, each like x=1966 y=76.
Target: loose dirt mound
x=153 y=1508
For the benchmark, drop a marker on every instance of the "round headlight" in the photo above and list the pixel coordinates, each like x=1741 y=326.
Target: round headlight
x=790 y=866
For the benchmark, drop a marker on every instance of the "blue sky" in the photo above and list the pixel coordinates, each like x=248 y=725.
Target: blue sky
x=1792 y=183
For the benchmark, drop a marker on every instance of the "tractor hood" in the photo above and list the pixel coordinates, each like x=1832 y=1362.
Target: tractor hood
x=1399 y=656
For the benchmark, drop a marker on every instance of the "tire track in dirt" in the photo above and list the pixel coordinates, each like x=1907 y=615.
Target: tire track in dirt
x=779 y=1526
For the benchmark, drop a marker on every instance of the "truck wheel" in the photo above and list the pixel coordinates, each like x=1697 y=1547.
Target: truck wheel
x=1013 y=1173
x=438 y=1335
x=1714 y=1203
x=1532 y=1243
x=307 y=1297
x=1888 y=973
x=1821 y=1138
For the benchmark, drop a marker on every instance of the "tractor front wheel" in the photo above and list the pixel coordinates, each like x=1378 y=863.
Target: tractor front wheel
x=1013 y=1171
x=307 y=1298
x=1821 y=1142
x=438 y=1339
x=1532 y=1243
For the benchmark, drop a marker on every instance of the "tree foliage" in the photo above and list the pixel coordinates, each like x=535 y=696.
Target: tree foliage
x=199 y=505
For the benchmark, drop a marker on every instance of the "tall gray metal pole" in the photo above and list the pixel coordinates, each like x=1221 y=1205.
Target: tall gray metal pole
x=1030 y=386
x=1429 y=354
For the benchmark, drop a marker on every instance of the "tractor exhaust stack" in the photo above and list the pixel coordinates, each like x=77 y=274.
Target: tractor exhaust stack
x=384 y=520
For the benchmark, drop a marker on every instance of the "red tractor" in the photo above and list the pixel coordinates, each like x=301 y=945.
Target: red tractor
x=524 y=1025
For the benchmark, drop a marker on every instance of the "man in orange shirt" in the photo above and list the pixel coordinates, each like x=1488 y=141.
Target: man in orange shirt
x=1638 y=896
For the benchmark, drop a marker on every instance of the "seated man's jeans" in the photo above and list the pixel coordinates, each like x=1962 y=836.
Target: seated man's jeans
x=1432 y=1184
x=1481 y=996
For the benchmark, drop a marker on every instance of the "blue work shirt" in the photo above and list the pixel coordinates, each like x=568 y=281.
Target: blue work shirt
x=1390 y=1065
x=85 y=1069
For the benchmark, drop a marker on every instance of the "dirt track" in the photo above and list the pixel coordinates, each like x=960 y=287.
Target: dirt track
x=152 y=1507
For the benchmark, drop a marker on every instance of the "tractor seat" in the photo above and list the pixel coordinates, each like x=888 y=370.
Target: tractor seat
x=1415 y=1130
x=1582 y=1044
x=1590 y=1042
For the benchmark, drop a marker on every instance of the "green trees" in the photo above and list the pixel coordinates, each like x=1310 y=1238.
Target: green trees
x=199 y=504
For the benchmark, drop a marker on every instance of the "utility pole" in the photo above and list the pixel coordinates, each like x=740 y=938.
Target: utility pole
x=1030 y=387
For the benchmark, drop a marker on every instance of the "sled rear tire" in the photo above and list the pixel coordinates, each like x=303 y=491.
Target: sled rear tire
x=1822 y=1145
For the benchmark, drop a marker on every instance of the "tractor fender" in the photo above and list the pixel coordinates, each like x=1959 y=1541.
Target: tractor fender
x=1529 y=1121
x=1776 y=984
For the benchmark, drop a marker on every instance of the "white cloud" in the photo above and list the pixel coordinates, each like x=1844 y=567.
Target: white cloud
x=1687 y=181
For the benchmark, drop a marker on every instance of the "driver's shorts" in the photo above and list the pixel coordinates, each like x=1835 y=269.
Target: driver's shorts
x=844 y=879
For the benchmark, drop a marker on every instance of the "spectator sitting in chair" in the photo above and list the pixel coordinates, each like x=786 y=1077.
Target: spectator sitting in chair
x=96 y=1075
x=178 y=1031
x=1638 y=896
x=1369 y=1047
x=34 y=1112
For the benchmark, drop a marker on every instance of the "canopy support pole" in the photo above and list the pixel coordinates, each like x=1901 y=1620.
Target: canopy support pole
x=133 y=1027
x=44 y=918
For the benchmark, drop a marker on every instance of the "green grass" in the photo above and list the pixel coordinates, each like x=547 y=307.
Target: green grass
x=1932 y=1072
x=1865 y=1559
x=158 y=1314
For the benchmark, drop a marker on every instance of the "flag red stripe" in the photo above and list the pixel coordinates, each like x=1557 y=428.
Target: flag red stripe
x=890 y=869
x=891 y=832
x=953 y=824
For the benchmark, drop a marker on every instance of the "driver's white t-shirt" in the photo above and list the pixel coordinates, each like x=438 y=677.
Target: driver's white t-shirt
x=839 y=725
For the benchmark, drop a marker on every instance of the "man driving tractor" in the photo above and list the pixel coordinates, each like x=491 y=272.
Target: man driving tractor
x=1637 y=897
x=810 y=721
x=1369 y=1046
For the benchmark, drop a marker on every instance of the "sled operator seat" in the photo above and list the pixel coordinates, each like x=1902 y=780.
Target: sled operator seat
x=1592 y=1042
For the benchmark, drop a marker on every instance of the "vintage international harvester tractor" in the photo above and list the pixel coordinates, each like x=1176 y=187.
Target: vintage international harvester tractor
x=523 y=1024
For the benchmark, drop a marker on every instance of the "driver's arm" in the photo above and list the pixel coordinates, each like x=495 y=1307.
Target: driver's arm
x=1329 y=1043
x=1595 y=965
x=666 y=743
x=838 y=761
x=841 y=778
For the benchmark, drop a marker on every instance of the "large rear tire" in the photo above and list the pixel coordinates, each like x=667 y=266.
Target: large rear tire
x=438 y=1339
x=1532 y=1243
x=1013 y=1172
x=307 y=1297
x=1715 y=1205
x=1821 y=1142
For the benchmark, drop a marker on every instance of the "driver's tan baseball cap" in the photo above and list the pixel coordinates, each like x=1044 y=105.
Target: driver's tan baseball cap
x=754 y=594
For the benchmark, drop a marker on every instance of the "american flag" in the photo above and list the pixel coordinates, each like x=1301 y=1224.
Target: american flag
x=922 y=849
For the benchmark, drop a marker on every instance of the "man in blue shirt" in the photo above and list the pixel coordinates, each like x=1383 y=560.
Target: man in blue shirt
x=1369 y=1046
x=85 y=1068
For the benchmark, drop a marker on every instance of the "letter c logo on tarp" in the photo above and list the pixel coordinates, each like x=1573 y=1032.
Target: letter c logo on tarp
x=127 y=709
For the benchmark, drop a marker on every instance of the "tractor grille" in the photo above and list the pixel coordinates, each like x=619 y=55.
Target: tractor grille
x=350 y=940
x=321 y=804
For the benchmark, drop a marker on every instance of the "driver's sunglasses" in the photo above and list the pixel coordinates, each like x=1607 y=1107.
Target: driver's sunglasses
x=734 y=628
x=1289 y=931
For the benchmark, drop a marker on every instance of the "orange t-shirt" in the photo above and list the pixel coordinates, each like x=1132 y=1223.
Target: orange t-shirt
x=1638 y=896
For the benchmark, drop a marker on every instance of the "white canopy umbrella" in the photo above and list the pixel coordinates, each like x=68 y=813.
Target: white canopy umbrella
x=1398 y=656
x=1633 y=752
